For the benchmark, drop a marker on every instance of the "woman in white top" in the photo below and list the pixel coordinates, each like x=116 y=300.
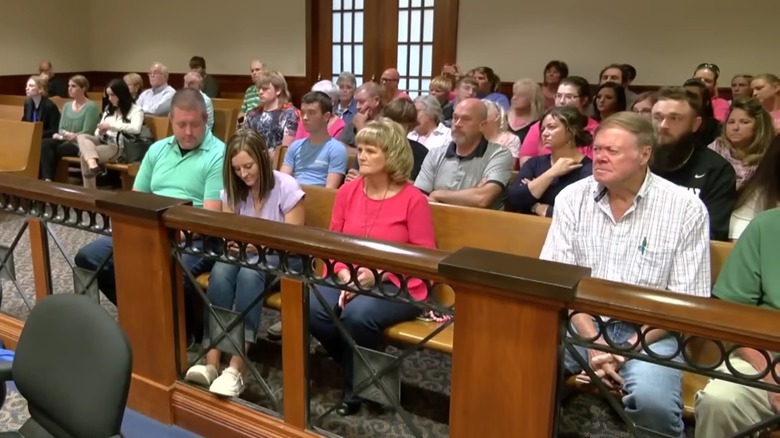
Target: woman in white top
x=122 y=118
x=760 y=192
x=496 y=128
x=430 y=131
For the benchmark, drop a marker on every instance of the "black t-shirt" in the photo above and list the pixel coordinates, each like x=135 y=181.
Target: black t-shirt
x=522 y=132
x=418 y=153
x=714 y=180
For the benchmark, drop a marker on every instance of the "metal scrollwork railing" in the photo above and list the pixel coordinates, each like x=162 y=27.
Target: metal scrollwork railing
x=693 y=354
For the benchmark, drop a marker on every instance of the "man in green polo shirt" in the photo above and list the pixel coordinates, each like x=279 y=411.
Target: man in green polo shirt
x=187 y=166
x=750 y=277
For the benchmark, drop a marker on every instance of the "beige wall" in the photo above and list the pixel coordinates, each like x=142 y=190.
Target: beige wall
x=130 y=35
x=517 y=38
x=35 y=30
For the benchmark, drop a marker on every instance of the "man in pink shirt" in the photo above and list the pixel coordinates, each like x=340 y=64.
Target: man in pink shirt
x=389 y=80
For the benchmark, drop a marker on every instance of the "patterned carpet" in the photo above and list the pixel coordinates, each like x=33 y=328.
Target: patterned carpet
x=425 y=384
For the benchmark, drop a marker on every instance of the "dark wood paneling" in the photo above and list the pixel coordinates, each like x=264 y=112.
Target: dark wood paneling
x=299 y=85
x=445 y=33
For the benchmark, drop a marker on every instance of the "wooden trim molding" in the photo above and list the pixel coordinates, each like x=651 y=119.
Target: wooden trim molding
x=10 y=330
x=208 y=415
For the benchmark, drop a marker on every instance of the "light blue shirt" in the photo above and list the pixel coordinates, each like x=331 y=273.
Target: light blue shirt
x=195 y=176
x=209 y=111
x=312 y=163
x=156 y=101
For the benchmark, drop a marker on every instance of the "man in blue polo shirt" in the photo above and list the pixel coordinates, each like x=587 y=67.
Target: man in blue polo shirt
x=319 y=159
x=187 y=166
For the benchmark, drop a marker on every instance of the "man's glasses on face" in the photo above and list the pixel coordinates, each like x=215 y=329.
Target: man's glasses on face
x=386 y=80
x=566 y=96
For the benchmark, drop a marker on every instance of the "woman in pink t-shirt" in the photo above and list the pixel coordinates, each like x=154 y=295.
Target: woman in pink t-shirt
x=382 y=205
x=573 y=91
x=554 y=72
x=335 y=124
x=766 y=88
x=709 y=73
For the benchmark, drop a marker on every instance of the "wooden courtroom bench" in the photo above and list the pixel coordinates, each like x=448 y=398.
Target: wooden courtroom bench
x=12 y=99
x=225 y=122
x=229 y=104
x=20 y=152
x=457 y=227
x=11 y=112
x=160 y=127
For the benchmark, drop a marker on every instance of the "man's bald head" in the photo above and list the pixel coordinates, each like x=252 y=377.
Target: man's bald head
x=158 y=75
x=45 y=68
x=468 y=120
x=390 y=78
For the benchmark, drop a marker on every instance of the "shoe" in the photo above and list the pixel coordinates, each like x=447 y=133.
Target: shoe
x=347 y=409
x=94 y=172
x=275 y=331
x=202 y=375
x=229 y=384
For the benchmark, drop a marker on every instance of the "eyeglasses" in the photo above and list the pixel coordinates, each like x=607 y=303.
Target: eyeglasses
x=566 y=96
x=155 y=73
x=383 y=80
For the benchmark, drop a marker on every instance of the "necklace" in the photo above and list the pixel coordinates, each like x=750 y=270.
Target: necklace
x=379 y=210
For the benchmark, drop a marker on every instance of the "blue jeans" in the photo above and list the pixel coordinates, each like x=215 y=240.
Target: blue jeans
x=91 y=255
x=653 y=392
x=233 y=287
x=364 y=318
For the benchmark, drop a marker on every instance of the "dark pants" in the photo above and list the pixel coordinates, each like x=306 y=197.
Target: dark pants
x=51 y=151
x=364 y=318
x=92 y=255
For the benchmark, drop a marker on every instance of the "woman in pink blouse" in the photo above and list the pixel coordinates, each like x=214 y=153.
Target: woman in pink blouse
x=709 y=73
x=573 y=91
x=382 y=205
x=747 y=134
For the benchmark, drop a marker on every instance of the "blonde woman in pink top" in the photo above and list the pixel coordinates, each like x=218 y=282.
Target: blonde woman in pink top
x=747 y=134
x=525 y=108
x=766 y=88
x=709 y=73
x=496 y=128
x=574 y=92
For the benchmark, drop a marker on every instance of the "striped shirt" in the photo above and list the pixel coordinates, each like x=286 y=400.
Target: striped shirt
x=251 y=99
x=662 y=241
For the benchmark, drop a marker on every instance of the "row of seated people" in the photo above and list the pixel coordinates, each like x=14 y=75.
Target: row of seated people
x=99 y=136
x=623 y=221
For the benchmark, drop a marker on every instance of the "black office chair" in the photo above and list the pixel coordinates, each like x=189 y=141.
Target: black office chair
x=73 y=365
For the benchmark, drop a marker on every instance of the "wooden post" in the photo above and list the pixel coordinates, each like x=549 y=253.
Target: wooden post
x=295 y=354
x=506 y=342
x=41 y=263
x=143 y=267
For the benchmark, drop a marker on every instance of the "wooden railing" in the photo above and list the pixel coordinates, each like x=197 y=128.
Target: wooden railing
x=507 y=336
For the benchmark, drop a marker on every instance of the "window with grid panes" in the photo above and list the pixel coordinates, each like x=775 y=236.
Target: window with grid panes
x=348 y=18
x=415 y=46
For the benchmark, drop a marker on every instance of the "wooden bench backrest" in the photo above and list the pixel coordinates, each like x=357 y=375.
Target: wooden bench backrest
x=229 y=104
x=11 y=112
x=231 y=95
x=20 y=147
x=160 y=126
x=224 y=123
x=9 y=99
x=281 y=151
x=60 y=101
x=97 y=96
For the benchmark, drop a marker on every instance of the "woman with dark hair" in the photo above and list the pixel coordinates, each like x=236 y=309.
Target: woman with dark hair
x=121 y=119
x=760 y=192
x=710 y=126
x=746 y=137
x=643 y=105
x=574 y=92
x=487 y=86
x=554 y=72
x=610 y=99
x=708 y=74
x=542 y=177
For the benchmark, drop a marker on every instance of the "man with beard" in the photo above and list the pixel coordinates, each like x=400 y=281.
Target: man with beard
x=677 y=158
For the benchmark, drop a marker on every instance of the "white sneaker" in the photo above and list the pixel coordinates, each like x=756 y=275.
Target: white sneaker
x=275 y=331
x=202 y=375
x=229 y=384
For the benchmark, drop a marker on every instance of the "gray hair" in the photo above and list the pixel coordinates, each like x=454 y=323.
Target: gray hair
x=347 y=76
x=163 y=69
x=193 y=75
x=431 y=107
x=328 y=88
x=639 y=126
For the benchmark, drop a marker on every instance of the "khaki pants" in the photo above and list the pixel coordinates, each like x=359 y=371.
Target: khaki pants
x=90 y=147
x=724 y=408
